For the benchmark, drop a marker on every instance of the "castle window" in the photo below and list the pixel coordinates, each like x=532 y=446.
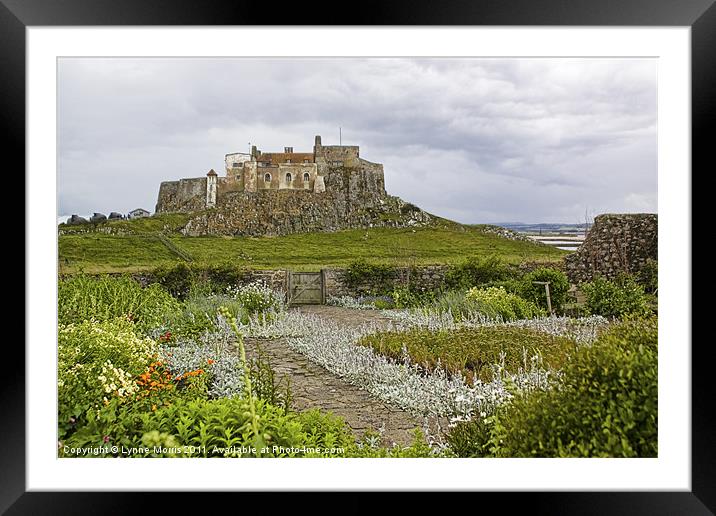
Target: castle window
x=306 y=161
x=238 y=165
x=289 y=178
x=267 y=178
x=306 y=177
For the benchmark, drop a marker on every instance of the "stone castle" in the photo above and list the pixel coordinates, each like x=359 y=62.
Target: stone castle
x=270 y=171
x=285 y=192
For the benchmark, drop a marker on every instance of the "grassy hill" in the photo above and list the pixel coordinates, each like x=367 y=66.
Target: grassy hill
x=134 y=246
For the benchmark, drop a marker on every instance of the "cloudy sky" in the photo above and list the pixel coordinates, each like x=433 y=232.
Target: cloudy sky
x=474 y=140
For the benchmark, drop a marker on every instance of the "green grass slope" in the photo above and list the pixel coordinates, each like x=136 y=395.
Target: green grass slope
x=135 y=249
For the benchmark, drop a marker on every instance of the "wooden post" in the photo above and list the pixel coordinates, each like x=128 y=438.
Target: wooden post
x=546 y=289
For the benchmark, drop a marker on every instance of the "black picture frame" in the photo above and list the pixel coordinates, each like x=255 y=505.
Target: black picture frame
x=700 y=15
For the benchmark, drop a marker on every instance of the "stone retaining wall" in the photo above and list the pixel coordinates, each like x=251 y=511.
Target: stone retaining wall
x=336 y=283
x=615 y=243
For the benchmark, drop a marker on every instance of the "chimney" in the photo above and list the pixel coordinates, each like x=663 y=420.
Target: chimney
x=288 y=150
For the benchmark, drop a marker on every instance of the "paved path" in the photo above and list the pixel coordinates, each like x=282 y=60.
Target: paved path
x=312 y=386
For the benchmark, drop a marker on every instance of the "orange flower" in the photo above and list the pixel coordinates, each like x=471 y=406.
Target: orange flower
x=210 y=361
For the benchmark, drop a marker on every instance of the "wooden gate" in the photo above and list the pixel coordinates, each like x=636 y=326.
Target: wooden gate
x=305 y=288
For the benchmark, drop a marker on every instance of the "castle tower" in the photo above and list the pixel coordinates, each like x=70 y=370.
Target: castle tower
x=211 y=188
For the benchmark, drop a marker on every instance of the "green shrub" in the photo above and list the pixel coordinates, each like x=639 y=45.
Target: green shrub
x=377 y=277
x=513 y=286
x=104 y=298
x=558 y=287
x=476 y=271
x=211 y=427
x=605 y=405
x=325 y=431
x=407 y=297
x=97 y=361
x=182 y=279
x=177 y=279
x=223 y=276
x=648 y=276
x=473 y=351
x=617 y=298
x=496 y=302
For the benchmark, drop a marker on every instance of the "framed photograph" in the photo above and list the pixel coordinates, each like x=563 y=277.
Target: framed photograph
x=413 y=252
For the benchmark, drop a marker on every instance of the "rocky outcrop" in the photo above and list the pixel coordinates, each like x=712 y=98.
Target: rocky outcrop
x=615 y=243
x=282 y=213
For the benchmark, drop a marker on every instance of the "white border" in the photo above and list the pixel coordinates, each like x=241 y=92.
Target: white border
x=670 y=471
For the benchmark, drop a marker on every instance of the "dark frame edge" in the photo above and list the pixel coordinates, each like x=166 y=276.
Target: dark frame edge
x=12 y=122
x=701 y=500
x=703 y=122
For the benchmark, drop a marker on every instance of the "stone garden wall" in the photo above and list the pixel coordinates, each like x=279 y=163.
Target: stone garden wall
x=337 y=284
x=615 y=243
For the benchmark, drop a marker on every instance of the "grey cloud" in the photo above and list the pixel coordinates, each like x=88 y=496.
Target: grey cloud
x=477 y=140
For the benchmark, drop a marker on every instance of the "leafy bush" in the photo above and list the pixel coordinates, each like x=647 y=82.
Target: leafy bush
x=558 y=287
x=222 y=428
x=257 y=298
x=224 y=275
x=407 y=297
x=177 y=279
x=496 y=302
x=605 y=405
x=617 y=298
x=104 y=298
x=648 y=276
x=476 y=271
x=325 y=431
x=377 y=277
x=474 y=351
x=182 y=279
x=98 y=361
x=207 y=428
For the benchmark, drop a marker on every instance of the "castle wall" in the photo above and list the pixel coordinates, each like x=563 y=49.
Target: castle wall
x=297 y=172
x=348 y=155
x=182 y=195
x=230 y=184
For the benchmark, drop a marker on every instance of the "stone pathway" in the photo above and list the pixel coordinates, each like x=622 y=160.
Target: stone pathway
x=312 y=386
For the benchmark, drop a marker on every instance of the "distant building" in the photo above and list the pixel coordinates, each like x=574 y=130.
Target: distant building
x=138 y=213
